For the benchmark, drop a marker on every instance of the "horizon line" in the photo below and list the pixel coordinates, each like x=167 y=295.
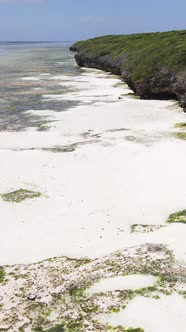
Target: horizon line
x=37 y=41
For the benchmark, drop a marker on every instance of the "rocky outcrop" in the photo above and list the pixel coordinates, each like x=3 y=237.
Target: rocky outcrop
x=166 y=83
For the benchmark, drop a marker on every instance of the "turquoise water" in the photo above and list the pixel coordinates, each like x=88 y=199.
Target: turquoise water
x=28 y=72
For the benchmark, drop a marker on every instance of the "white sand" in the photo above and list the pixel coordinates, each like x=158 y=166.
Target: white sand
x=33 y=78
x=93 y=195
x=164 y=315
x=133 y=282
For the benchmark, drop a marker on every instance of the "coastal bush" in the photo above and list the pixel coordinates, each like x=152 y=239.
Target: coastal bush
x=145 y=55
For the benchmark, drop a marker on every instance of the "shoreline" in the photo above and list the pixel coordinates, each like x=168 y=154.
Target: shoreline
x=129 y=56
x=80 y=143
x=101 y=168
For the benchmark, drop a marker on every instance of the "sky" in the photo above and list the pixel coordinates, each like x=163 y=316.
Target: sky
x=62 y=20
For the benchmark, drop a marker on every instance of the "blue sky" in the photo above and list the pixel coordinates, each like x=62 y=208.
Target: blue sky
x=81 y=19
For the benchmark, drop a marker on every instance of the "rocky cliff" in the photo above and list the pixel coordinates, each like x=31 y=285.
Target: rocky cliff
x=152 y=64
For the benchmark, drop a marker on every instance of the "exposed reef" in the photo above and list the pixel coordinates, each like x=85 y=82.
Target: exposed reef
x=56 y=295
x=152 y=64
x=51 y=295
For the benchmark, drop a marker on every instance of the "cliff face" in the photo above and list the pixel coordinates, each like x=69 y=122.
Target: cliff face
x=153 y=65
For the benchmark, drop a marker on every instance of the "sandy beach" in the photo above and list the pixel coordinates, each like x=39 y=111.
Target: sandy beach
x=125 y=166
x=103 y=167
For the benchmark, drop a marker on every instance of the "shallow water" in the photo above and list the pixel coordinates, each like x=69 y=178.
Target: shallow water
x=26 y=70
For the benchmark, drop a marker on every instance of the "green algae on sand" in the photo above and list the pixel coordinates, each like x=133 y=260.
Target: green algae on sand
x=142 y=228
x=2 y=274
x=58 y=328
x=122 y=329
x=20 y=195
x=181 y=135
x=177 y=217
x=180 y=125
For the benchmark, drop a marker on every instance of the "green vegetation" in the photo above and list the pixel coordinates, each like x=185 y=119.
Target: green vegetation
x=70 y=325
x=180 y=125
x=181 y=135
x=2 y=274
x=122 y=329
x=141 y=228
x=20 y=195
x=58 y=328
x=143 y=55
x=135 y=330
x=114 y=309
x=77 y=294
x=178 y=217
